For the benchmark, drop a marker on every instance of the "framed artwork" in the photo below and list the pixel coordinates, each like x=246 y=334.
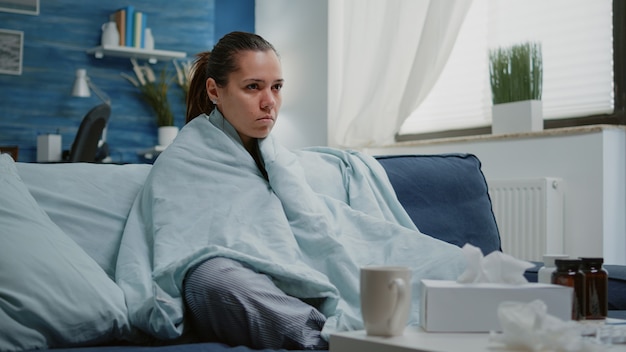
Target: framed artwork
x=27 y=7
x=11 y=51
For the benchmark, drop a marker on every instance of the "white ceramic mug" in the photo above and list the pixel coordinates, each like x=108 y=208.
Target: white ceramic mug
x=385 y=299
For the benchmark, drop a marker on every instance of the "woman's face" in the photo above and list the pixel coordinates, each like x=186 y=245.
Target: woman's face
x=251 y=99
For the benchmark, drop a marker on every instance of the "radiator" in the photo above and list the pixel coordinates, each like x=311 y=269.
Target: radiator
x=529 y=214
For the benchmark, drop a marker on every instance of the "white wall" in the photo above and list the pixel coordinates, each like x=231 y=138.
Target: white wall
x=592 y=165
x=299 y=31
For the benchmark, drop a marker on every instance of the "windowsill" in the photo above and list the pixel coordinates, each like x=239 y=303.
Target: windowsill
x=511 y=136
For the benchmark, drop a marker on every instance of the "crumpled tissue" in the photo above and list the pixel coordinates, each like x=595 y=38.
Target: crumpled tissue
x=495 y=267
x=527 y=326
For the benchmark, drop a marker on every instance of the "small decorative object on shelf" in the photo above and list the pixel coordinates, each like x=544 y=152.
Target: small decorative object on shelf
x=110 y=35
x=149 y=39
x=516 y=75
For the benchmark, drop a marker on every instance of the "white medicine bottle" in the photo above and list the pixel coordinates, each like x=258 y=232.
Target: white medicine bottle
x=545 y=272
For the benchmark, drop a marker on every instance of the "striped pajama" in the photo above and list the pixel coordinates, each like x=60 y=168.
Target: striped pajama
x=231 y=303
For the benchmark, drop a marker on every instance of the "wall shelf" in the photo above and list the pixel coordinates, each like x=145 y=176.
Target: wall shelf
x=151 y=154
x=129 y=52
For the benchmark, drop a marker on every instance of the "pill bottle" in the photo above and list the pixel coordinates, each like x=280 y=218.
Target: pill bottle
x=568 y=273
x=544 y=275
x=596 y=288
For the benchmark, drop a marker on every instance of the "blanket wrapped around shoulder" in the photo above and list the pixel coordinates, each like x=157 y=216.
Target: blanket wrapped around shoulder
x=323 y=214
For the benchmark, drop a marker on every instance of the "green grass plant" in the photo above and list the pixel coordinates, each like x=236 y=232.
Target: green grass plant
x=516 y=73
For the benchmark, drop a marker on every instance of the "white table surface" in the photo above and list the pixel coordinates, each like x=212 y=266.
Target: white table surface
x=413 y=340
x=417 y=340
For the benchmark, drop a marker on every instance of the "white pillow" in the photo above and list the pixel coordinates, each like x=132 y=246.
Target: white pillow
x=52 y=294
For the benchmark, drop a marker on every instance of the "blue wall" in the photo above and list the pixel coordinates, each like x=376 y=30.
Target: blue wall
x=39 y=101
x=233 y=15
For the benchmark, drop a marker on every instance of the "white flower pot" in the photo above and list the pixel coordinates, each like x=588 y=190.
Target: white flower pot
x=167 y=135
x=517 y=117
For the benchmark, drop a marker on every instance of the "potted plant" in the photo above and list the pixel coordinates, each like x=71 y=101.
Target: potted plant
x=154 y=92
x=516 y=75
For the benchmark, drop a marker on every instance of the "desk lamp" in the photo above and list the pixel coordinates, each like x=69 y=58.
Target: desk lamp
x=82 y=88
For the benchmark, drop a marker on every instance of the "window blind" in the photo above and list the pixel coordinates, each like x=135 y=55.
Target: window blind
x=577 y=47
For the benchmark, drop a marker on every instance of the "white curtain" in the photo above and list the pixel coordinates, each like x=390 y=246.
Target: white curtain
x=384 y=57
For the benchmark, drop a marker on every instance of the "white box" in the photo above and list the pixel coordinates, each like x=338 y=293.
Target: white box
x=447 y=306
x=49 y=148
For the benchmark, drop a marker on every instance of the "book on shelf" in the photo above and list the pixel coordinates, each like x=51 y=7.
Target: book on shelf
x=131 y=24
x=130 y=19
x=119 y=17
x=139 y=30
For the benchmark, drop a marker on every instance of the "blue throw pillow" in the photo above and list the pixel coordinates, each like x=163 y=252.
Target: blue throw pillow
x=52 y=294
x=446 y=196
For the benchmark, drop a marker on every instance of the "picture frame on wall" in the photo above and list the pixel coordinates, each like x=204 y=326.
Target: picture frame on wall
x=26 y=7
x=11 y=51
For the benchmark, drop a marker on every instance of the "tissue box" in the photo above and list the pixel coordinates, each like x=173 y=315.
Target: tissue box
x=447 y=306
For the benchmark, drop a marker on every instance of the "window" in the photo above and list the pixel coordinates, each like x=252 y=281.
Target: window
x=583 y=66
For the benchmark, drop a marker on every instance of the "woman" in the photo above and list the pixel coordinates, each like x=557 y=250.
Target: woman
x=248 y=243
x=242 y=79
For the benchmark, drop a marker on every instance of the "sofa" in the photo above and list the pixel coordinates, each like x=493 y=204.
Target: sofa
x=61 y=226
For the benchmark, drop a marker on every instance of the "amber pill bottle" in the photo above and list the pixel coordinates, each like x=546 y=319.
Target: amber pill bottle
x=596 y=288
x=568 y=273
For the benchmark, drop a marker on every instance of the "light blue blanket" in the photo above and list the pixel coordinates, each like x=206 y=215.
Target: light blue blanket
x=324 y=214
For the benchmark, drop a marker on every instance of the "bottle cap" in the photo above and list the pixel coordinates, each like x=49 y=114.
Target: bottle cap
x=548 y=259
x=567 y=264
x=597 y=261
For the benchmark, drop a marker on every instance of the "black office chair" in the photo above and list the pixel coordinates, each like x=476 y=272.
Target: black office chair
x=85 y=147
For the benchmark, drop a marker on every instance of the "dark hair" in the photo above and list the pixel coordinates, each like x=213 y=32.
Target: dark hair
x=219 y=64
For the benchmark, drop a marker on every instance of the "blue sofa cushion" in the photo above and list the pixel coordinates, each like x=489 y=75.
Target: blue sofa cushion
x=446 y=197
x=617 y=287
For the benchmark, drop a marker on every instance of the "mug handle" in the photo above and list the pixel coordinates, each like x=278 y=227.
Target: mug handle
x=395 y=318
